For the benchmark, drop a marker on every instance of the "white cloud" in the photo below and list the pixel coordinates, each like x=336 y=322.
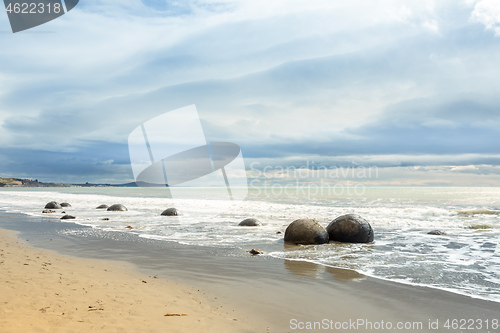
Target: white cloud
x=431 y=25
x=487 y=12
x=465 y=168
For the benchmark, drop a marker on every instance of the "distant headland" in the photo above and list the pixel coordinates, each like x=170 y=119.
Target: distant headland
x=19 y=182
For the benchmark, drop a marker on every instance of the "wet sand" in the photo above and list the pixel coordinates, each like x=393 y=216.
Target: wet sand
x=272 y=294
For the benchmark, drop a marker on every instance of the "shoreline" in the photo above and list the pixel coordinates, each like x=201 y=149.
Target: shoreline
x=273 y=292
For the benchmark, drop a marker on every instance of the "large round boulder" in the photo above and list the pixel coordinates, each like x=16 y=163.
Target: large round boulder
x=350 y=228
x=53 y=205
x=306 y=231
x=65 y=204
x=171 y=212
x=117 y=208
x=102 y=206
x=250 y=222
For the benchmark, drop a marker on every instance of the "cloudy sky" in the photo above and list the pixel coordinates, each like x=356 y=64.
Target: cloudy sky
x=409 y=87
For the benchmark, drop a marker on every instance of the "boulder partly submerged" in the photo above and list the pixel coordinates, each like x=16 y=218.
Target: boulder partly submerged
x=171 y=212
x=250 y=222
x=350 y=228
x=117 y=208
x=53 y=205
x=306 y=231
x=436 y=232
x=65 y=204
x=102 y=206
x=68 y=217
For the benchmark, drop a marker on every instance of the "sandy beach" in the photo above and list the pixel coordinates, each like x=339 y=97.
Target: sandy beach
x=42 y=291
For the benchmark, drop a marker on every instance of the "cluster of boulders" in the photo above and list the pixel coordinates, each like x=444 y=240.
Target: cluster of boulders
x=120 y=207
x=113 y=208
x=350 y=228
x=56 y=205
x=50 y=206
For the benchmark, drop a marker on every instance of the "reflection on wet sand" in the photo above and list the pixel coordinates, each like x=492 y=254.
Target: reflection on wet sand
x=304 y=268
x=312 y=270
x=340 y=274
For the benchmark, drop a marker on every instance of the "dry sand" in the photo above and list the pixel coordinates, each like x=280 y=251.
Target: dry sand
x=42 y=291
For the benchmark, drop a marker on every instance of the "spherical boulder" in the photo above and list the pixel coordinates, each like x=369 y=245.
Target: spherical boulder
x=350 y=228
x=117 y=208
x=250 y=222
x=102 y=206
x=306 y=231
x=65 y=204
x=68 y=217
x=171 y=212
x=53 y=205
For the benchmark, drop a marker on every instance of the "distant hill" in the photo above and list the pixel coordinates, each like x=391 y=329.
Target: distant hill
x=18 y=182
x=105 y=185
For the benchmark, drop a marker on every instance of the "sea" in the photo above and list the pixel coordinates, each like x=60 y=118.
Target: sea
x=464 y=260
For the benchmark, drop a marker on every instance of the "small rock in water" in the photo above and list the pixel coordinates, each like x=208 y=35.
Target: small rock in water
x=105 y=219
x=65 y=204
x=53 y=205
x=48 y=211
x=129 y=227
x=102 y=206
x=171 y=212
x=255 y=251
x=68 y=217
x=250 y=222
x=436 y=232
x=117 y=208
